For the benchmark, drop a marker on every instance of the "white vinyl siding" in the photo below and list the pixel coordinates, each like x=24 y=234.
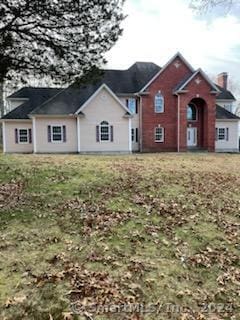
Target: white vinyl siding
x=227 y=137
x=104 y=108
x=45 y=145
x=10 y=145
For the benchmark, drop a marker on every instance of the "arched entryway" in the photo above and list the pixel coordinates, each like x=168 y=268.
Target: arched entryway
x=196 y=112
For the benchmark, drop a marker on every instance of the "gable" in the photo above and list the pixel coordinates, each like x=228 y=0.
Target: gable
x=103 y=105
x=197 y=80
x=177 y=66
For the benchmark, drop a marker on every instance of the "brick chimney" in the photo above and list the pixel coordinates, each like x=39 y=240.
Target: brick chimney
x=222 y=80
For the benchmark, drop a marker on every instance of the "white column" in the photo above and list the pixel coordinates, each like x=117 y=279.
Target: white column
x=4 y=136
x=78 y=136
x=130 y=134
x=34 y=135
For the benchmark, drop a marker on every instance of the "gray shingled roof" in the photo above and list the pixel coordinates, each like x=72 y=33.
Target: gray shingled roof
x=36 y=97
x=222 y=113
x=119 y=81
x=68 y=101
x=225 y=94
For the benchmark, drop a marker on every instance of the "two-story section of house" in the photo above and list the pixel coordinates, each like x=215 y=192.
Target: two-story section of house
x=144 y=108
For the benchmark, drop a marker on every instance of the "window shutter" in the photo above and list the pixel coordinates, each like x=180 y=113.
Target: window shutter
x=30 y=135
x=16 y=135
x=97 y=134
x=136 y=106
x=111 y=128
x=49 y=133
x=136 y=134
x=216 y=134
x=227 y=134
x=64 y=134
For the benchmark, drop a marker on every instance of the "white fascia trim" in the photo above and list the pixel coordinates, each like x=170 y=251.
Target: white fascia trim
x=193 y=76
x=103 y=86
x=224 y=100
x=34 y=135
x=227 y=120
x=15 y=120
x=130 y=134
x=4 y=136
x=31 y=116
x=17 y=99
x=179 y=55
x=78 y=135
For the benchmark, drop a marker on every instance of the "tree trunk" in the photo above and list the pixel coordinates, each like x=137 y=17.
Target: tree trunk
x=1 y=99
x=1 y=107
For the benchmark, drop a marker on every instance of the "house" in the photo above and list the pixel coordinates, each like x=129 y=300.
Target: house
x=144 y=108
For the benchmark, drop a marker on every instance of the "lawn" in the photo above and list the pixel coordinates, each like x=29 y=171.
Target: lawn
x=158 y=230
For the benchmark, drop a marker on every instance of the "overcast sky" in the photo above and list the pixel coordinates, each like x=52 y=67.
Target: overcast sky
x=156 y=29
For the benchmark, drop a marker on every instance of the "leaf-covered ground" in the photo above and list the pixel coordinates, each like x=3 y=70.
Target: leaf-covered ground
x=151 y=230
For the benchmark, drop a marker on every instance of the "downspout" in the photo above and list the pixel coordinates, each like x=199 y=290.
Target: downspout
x=178 y=125
x=34 y=135
x=130 y=134
x=140 y=121
x=78 y=135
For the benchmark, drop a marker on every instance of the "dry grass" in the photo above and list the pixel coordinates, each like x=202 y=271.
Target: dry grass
x=82 y=230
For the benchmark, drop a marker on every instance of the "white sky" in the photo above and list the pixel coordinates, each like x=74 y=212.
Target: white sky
x=156 y=29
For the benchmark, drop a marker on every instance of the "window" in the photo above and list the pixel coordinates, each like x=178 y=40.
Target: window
x=222 y=134
x=57 y=134
x=136 y=130
x=23 y=136
x=135 y=135
x=191 y=112
x=132 y=105
x=159 y=103
x=159 y=134
x=104 y=131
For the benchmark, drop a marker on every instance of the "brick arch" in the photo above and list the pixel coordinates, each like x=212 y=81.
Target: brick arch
x=205 y=123
x=199 y=123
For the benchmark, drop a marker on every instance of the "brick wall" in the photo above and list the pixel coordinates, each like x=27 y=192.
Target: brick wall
x=166 y=82
x=176 y=72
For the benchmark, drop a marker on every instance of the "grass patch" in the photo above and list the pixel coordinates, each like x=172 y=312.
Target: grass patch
x=139 y=228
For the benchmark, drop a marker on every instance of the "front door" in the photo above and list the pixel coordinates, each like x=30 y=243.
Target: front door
x=191 y=137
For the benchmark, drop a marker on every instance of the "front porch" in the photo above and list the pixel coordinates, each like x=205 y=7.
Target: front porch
x=197 y=126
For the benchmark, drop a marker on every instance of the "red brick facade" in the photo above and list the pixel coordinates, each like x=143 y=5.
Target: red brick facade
x=174 y=118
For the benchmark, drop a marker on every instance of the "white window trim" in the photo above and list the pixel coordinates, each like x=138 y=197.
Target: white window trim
x=109 y=132
x=21 y=142
x=56 y=125
x=163 y=135
x=225 y=133
x=163 y=108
